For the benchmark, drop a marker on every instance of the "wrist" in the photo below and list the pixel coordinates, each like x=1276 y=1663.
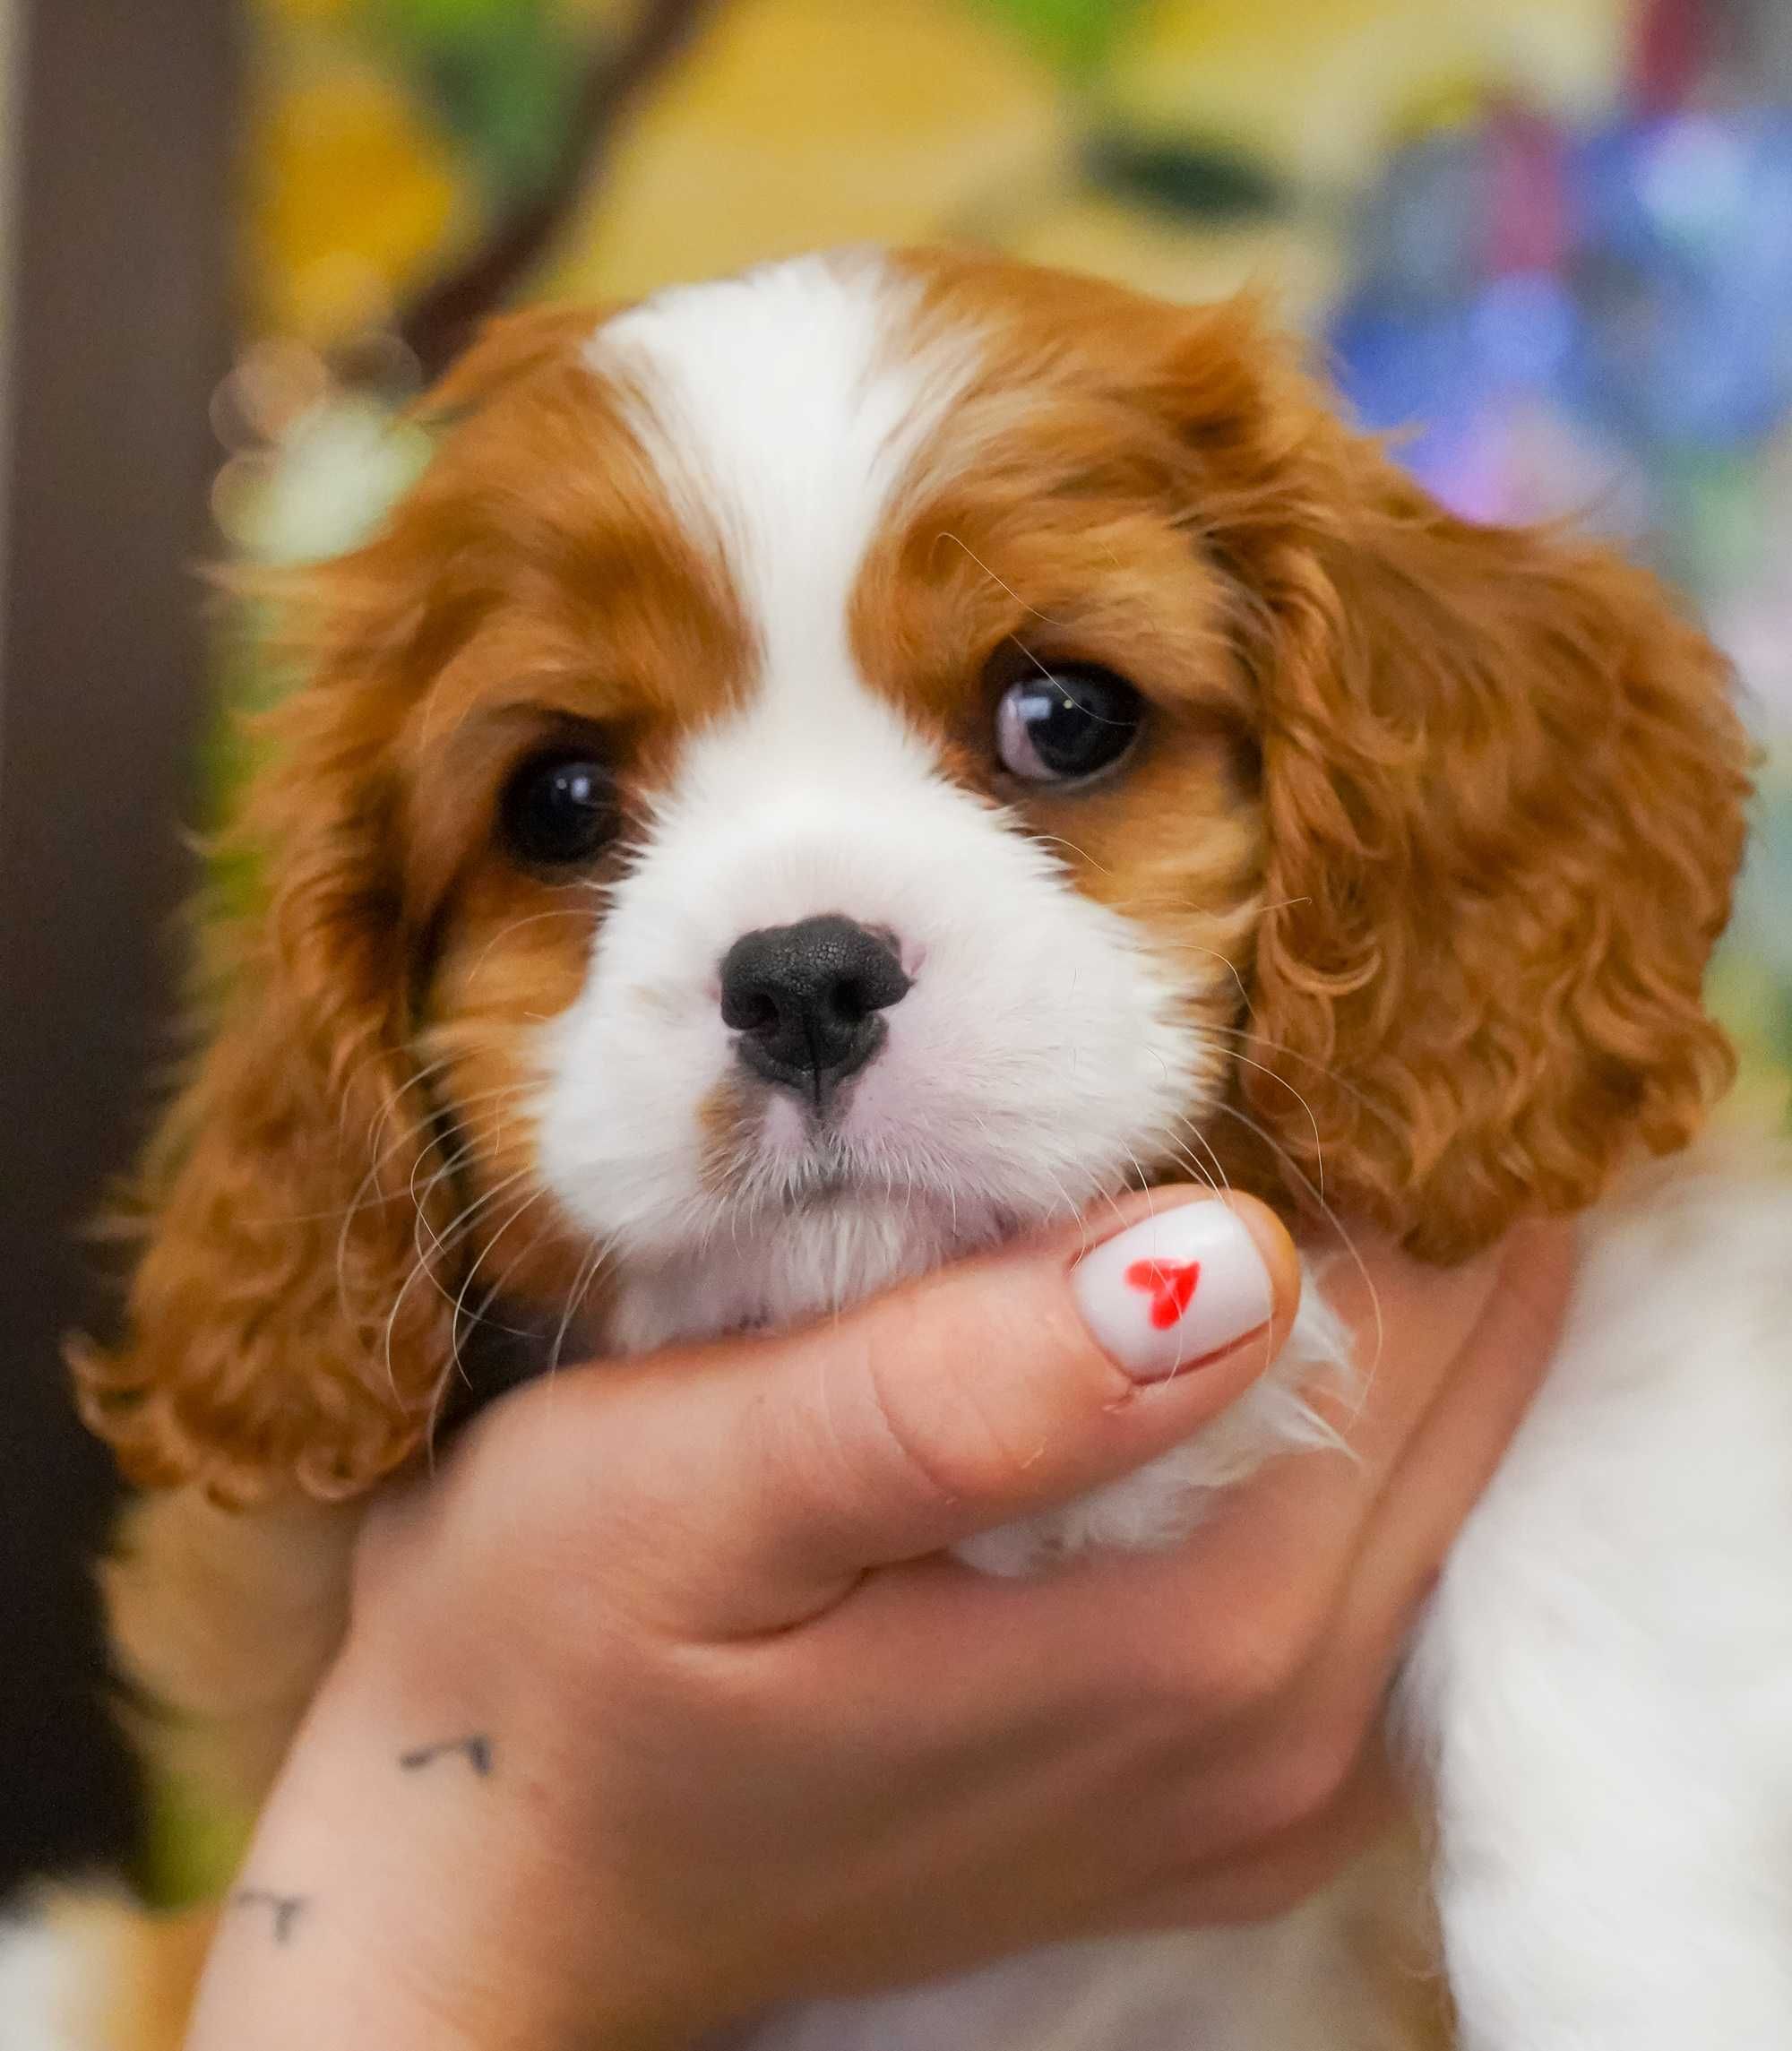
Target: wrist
x=412 y=1895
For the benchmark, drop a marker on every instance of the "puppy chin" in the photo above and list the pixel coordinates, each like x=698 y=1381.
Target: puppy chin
x=810 y=1208
x=829 y=1244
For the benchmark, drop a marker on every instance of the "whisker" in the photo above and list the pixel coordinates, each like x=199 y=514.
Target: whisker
x=1081 y=854
x=959 y=542
x=482 y=1315
x=1225 y=1180
x=343 y=1289
x=391 y=1326
x=1231 y=969
x=410 y=1132
x=516 y=925
x=461 y=1222
x=1331 y=1216
x=456 y=1365
x=585 y=1275
x=1332 y=1075
x=1318 y=1147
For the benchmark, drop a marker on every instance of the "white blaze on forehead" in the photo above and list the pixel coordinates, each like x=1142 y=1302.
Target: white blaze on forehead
x=783 y=411
x=792 y=416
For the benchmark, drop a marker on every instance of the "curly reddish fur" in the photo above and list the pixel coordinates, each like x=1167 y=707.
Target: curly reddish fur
x=281 y=1327
x=1503 y=791
x=271 y=1333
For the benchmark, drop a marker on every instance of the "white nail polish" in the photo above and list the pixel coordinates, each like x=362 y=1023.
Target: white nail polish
x=1173 y=1289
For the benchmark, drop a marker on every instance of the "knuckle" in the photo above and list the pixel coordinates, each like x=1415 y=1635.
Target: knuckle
x=1253 y=1661
x=953 y=1445
x=1306 y=1780
x=916 y=1454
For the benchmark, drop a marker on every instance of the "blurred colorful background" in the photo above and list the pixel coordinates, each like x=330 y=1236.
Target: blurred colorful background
x=1549 y=242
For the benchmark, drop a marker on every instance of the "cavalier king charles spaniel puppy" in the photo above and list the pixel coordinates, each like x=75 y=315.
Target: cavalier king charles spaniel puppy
x=833 y=768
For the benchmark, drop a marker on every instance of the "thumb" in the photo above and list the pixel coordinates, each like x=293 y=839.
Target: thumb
x=783 y=1469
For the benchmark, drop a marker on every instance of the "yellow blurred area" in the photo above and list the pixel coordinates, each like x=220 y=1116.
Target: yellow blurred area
x=1317 y=85
x=799 y=123
x=352 y=195
x=807 y=122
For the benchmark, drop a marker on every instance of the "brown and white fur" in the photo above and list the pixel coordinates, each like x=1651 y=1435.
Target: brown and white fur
x=1398 y=908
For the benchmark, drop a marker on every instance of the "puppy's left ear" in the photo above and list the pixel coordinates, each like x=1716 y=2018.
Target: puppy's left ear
x=1503 y=787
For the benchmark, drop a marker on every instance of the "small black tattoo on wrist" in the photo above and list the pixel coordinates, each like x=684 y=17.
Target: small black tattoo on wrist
x=477 y=1750
x=285 y=1908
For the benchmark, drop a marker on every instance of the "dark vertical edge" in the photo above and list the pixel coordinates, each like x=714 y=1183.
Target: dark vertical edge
x=121 y=326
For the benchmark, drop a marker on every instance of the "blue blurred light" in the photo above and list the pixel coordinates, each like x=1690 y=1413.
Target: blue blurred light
x=1524 y=328
x=1692 y=178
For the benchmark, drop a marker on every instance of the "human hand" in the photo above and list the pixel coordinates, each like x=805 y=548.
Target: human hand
x=717 y=1725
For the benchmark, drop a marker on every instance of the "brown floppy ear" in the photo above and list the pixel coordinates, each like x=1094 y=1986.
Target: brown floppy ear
x=288 y=1322
x=1504 y=788
x=282 y=1328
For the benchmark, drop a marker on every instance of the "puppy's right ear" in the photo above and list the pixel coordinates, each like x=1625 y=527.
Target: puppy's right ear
x=284 y=1329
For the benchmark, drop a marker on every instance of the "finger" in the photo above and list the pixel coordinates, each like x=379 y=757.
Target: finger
x=1454 y=1456
x=791 y=1466
x=1239 y=1609
x=1285 y=1540
x=1251 y=1605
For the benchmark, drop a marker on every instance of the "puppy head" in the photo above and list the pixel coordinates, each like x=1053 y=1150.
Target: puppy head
x=831 y=768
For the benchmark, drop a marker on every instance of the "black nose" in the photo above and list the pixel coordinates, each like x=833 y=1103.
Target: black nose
x=805 y=1000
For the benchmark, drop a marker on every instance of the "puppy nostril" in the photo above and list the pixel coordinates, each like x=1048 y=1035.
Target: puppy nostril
x=804 y=999
x=753 y=1012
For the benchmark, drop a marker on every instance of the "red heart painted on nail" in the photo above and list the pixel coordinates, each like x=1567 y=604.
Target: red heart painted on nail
x=1169 y=1284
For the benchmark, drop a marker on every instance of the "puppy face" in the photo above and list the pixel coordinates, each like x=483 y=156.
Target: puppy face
x=872 y=982
x=874 y=896
x=832 y=768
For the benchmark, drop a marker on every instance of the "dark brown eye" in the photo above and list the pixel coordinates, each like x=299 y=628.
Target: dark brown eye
x=558 y=809
x=1067 y=723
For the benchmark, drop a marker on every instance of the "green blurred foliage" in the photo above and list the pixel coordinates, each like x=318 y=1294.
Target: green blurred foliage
x=446 y=18
x=501 y=76
x=1076 y=36
x=191 y=1848
x=1182 y=181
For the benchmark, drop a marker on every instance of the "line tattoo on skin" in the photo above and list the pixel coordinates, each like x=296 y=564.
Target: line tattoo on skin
x=285 y=1908
x=476 y=1750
